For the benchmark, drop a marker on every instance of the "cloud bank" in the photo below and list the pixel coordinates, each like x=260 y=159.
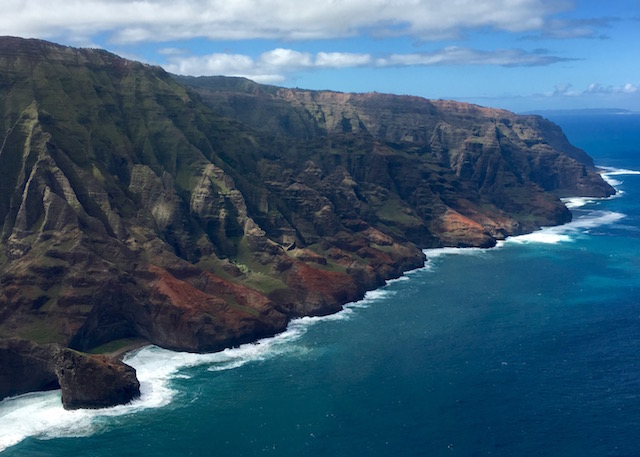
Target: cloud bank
x=275 y=66
x=126 y=21
x=567 y=90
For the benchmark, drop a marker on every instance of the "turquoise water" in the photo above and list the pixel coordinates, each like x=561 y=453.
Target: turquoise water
x=532 y=348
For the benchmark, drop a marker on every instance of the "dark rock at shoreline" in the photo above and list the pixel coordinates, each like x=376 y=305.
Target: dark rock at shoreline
x=93 y=381
x=27 y=367
x=87 y=381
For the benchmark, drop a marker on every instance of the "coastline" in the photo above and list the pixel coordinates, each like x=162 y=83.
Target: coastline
x=158 y=367
x=120 y=349
x=121 y=352
x=570 y=202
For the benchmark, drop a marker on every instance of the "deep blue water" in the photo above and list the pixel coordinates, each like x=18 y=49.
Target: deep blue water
x=532 y=348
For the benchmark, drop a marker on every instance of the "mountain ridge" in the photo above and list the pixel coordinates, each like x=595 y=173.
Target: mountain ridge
x=138 y=204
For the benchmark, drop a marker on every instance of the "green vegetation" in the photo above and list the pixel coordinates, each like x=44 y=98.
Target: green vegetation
x=241 y=180
x=392 y=211
x=117 y=346
x=263 y=283
x=40 y=330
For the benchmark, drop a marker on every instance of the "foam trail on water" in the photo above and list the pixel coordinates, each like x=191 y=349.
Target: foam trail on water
x=435 y=253
x=546 y=235
x=608 y=172
x=566 y=232
x=438 y=252
x=612 y=181
x=39 y=414
x=577 y=202
x=612 y=171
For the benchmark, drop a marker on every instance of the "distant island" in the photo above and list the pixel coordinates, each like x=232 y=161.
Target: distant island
x=202 y=213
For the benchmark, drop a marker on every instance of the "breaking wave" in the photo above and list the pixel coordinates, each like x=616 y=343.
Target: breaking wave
x=584 y=222
x=607 y=174
x=567 y=232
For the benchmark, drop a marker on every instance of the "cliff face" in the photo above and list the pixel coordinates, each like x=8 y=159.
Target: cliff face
x=469 y=174
x=202 y=213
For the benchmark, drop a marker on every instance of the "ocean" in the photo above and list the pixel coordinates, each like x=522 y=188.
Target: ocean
x=530 y=348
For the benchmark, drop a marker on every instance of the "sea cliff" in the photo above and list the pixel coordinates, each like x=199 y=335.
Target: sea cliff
x=202 y=213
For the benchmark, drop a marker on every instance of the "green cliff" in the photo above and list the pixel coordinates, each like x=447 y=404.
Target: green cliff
x=199 y=213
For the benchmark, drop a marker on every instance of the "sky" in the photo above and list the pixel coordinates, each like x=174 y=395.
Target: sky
x=522 y=55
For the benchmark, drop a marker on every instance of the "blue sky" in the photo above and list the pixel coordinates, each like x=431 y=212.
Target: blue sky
x=516 y=54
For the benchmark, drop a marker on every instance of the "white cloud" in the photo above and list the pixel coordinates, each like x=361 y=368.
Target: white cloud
x=464 y=56
x=128 y=21
x=277 y=64
x=593 y=89
x=596 y=88
x=574 y=28
x=342 y=59
x=286 y=59
x=213 y=64
x=564 y=90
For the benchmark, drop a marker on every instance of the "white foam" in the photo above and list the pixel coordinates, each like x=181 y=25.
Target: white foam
x=41 y=414
x=545 y=236
x=372 y=295
x=608 y=172
x=264 y=349
x=567 y=232
x=404 y=277
x=270 y=347
x=612 y=181
x=577 y=202
x=612 y=171
x=438 y=252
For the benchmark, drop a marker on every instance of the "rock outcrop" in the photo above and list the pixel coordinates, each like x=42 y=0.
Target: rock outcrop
x=201 y=213
x=27 y=367
x=86 y=381
x=94 y=381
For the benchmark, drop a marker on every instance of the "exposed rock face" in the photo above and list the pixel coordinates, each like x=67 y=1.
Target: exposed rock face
x=94 y=381
x=87 y=381
x=206 y=215
x=26 y=367
x=462 y=174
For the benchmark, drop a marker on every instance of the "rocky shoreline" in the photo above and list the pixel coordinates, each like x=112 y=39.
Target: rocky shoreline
x=203 y=213
x=104 y=380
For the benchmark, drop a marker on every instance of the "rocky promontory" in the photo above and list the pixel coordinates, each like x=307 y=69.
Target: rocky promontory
x=202 y=213
x=86 y=381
